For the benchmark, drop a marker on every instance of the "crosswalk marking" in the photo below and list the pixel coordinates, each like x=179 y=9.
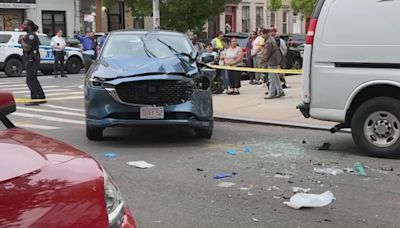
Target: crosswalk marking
x=5 y=83
x=66 y=98
x=62 y=107
x=35 y=126
x=48 y=118
x=26 y=87
x=51 y=111
x=60 y=94
x=15 y=85
x=45 y=91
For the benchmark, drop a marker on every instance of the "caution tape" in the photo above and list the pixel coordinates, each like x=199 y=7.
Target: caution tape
x=257 y=70
x=27 y=100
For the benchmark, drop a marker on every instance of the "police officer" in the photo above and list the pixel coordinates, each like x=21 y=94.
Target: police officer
x=30 y=45
x=58 y=44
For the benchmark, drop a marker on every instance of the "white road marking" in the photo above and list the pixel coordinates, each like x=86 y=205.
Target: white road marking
x=45 y=91
x=8 y=83
x=66 y=98
x=26 y=87
x=15 y=85
x=50 y=111
x=60 y=94
x=62 y=107
x=35 y=126
x=48 y=118
x=80 y=87
x=72 y=86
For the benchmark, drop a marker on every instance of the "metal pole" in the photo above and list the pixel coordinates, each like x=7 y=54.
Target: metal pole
x=156 y=14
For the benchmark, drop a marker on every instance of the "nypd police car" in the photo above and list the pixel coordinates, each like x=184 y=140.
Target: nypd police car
x=12 y=61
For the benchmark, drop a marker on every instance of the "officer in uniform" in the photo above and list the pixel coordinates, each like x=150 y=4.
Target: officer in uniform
x=30 y=45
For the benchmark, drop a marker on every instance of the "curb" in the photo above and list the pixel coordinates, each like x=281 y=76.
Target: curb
x=270 y=123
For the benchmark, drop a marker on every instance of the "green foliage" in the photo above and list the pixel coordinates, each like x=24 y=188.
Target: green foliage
x=275 y=5
x=303 y=6
x=180 y=15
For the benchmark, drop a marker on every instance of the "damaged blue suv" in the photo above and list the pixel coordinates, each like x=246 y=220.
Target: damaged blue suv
x=148 y=78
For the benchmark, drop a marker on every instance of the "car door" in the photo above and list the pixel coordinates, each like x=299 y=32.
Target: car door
x=46 y=52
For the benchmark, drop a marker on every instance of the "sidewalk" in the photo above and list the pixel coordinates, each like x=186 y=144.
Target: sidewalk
x=250 y=106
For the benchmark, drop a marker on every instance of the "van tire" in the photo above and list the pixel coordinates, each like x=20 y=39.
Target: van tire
x=94 y=133
x=74 y=65
x=14 y=67
x=380 y=118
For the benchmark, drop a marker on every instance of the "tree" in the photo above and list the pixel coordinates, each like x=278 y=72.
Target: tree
x=304 y=7
x=275 y=5
x=180 y=15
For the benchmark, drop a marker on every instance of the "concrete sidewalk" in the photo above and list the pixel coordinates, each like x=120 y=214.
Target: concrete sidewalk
x=250 y=106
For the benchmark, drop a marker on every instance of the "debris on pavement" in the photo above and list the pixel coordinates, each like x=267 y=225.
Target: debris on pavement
x=247 y=188
x=110 y=155
x=301 y=190
x=140 y=164
x=226 y=184
x=304 y=142
x=283 y=176
x=222 y=175
x=232 y=152
x=300 y=200
x=359 y=168
x=255 y=219
x=348 y=170
x=200 y=169
x=247 y=149
x=277 y=197
x=250 y=194
x=329 y=171
x=325 y=146
x=388 y=169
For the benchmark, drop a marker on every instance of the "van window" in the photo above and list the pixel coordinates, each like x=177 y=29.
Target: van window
x=44 y=40
x=4 y=38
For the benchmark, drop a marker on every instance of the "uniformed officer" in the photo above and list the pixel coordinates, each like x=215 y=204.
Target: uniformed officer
x=30 y=45
x=58 y=44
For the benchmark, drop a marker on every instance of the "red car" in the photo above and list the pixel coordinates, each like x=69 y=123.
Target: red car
x=47 y=183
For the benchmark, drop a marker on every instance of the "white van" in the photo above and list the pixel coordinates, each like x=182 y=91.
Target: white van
x=352 y=71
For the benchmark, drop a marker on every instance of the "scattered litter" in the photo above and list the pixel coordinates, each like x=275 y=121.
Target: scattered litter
x=304 y=142
x=283 y=176
x=250 y=194
x=291 y=182
x=157 y=221
x=327 y=220
x=200 y=170
x=234 y=174
x=329 y=171
x=293 y=166
x=301 y=190
x=325 y=146
x=222 y=175
x=246 y=188
x=275 y=188
x=387 y=169
x=359 y=168
x=141 y=164
x=255 y=220
x=277 y=197
x=348 y=170
x=212 y=201
x=232 y=152
x=300 y=200
x=110 y=155
x=247 y=149
x=226 y=184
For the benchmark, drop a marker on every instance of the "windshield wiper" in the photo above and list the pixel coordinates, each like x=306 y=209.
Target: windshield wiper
x=148 y=52
x=173 y=49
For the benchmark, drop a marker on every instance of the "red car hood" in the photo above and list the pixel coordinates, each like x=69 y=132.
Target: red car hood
x=47 y=183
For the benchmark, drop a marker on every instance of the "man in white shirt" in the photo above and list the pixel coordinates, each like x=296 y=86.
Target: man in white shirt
x=58 y=44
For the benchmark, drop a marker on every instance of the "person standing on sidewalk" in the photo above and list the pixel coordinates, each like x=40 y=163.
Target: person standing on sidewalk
x=249 y=58
x=271 y=58
x=218 y=42
x=283 y=49
x=257 y=47
x=30 y=46
x=234 y=57
x=58 y=44
x=89 y=48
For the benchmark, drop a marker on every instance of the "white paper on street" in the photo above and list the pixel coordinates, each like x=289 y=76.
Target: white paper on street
x=329 y=171
x=300 y=200
x=141 y=164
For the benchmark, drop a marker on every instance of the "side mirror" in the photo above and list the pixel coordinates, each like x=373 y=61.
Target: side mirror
x=7 y=103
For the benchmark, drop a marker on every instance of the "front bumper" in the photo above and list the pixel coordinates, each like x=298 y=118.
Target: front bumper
x=304 y=109
x=103 y=110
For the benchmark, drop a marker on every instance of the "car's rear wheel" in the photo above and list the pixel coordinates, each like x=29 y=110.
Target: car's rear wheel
x=94 y=133
x=74 y=65
x=375 y=127
x=14 y=67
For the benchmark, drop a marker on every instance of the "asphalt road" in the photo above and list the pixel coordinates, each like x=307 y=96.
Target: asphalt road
x=176 y=194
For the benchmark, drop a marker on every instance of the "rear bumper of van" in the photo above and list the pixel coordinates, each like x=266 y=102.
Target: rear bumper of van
x=304 y=109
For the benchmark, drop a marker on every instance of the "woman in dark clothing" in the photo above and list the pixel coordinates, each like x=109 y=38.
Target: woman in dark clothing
x=30 y=45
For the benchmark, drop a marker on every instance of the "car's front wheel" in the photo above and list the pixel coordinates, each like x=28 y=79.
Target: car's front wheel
x=375 y=127
x=94 y=133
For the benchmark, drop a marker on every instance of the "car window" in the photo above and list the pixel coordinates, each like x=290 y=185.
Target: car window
x=4 y=38
x=299 y=37
x=44 y=40
x=132 y=45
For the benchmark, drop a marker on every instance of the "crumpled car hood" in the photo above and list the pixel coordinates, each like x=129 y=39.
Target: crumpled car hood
x=131 y=66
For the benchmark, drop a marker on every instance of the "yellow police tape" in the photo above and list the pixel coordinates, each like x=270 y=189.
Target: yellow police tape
x=257 y=70
x=27 y=100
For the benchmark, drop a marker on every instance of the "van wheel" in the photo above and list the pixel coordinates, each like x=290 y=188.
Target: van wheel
x=94 y=133
x=14 y=68
x=375 y=127
x=74 y=65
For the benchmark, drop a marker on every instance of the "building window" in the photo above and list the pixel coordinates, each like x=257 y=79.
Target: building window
x=273 y=19
x=246 y=19
x=54 y=21
x=259 y=16
x=285 y=23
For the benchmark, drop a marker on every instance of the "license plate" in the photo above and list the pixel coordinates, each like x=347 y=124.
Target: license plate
x=151 y=113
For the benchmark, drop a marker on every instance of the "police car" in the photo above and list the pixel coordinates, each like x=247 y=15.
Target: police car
x=12 y=62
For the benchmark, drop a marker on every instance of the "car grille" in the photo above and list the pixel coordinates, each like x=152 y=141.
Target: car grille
x=160 y=92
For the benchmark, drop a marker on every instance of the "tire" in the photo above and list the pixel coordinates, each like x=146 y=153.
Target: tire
x=94 y=133
x=74 y=65
x=297 y=63
x=14 y=68
x=47 y=71
x=375 y=127
x=205 y=133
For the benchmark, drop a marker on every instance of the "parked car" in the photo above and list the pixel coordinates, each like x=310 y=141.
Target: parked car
x=294 y=39
x=242 y=38
x=294 y=59
x=354 y=80
x=47 y=183
x=147 y=78
x=12 y=61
